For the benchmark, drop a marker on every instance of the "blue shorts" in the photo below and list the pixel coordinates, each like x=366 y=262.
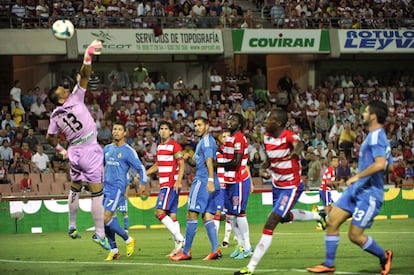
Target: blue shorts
x=363 y=203
x=237 y=197
x=284 y=198
x=199 y=200
x=123 y=205
x=326 y=197
x=220 y=198
x=112 y=198
x=168 y=200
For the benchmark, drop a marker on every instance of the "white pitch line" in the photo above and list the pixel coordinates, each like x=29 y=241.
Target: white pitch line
x=273 y=271
x=342 y=232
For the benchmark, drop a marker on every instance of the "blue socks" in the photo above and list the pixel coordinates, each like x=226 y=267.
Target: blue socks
x=372 y=247
x=331 y=244
x=190 y=231
x=212 y=234
x=126 y=222
x=114 y=226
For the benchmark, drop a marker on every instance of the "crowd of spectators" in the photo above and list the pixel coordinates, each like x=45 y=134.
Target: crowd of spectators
x=132 y=14
x=211 y=14
x=328 y=118
x=340 y=14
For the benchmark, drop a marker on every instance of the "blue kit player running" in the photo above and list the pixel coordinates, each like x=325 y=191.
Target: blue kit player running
x=119 y=157
x=203 y=193
x=364 y=197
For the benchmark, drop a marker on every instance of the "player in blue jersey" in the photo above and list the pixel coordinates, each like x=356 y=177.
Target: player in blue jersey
x=119 y=157
x=123 y=202
x=364 y=197
x=203 y=193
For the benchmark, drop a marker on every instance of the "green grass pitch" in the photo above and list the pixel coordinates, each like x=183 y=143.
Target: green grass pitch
x=295 y=246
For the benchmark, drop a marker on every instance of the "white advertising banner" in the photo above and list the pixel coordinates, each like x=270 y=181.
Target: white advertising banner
x=143 y=41
x=376 y=41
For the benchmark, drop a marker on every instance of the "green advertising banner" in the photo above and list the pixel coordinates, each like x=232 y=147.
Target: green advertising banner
x=52 y=215
x=273 y=41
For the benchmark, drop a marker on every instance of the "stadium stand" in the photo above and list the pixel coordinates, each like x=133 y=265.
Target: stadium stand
x=397 y=15
x=62 y=179
x=15 y=187
x=5 y=189
x=43 y=188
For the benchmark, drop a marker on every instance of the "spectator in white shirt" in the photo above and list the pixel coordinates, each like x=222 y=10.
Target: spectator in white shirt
x=198 y=8
x=40 y=161
x=37 y=112
x=6 y=152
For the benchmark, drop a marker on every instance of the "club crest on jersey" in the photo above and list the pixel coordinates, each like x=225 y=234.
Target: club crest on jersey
x=119 y=155
x=284 y=201
x=161 y=197
x=237 y=146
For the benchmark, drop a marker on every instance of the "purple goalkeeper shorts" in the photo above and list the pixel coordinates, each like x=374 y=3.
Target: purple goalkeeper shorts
x=86 y=163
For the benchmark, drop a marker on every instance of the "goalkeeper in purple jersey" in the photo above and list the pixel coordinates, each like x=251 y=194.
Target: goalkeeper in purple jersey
x=72 y=118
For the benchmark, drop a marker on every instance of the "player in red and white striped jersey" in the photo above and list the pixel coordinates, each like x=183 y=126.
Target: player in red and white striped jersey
x=170 y=166
x=222 y=195
x=329 y=179
x=283 y=149
x=237 y=177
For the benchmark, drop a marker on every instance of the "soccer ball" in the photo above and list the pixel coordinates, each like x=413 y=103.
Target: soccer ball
x=63 y=29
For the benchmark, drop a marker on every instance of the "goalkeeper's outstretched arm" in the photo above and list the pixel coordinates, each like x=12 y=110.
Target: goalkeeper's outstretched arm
x=85 y=72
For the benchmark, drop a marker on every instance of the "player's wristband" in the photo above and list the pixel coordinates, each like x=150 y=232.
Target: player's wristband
x=61 y=150
x=87 y=59
x=210 y=179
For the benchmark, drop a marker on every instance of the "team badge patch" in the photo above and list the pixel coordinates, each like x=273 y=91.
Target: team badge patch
x=235 y=200
x=119 y=155
x=237 y=146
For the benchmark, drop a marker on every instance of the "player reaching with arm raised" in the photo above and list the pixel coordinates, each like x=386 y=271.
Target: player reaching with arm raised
x=73 y=119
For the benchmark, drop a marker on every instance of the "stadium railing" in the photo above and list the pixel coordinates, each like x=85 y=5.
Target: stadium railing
x=264 y=21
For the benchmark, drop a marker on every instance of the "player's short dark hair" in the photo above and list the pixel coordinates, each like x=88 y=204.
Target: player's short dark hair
x=380 y=109
x=280 y=115
x=118 y=122
x=240 y=118
x=204 y=119
x=53 y=97
x=164 y=122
